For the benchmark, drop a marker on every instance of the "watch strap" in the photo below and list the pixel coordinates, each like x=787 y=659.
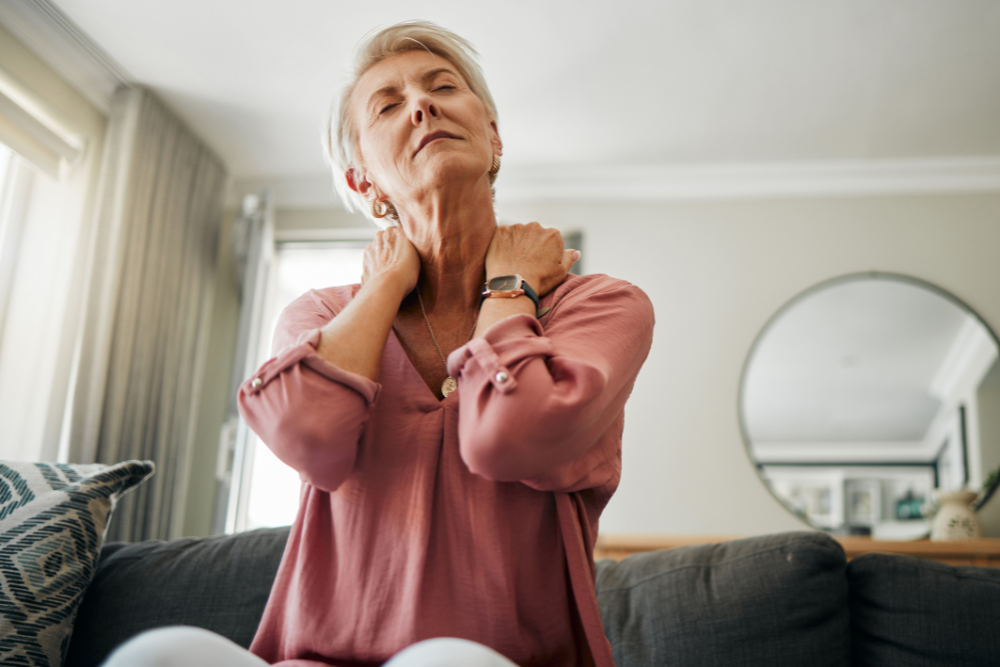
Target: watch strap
x=532 y=294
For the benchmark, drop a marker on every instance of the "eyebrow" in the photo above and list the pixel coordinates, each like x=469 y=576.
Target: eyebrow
x=390 y=89
x=440 y=70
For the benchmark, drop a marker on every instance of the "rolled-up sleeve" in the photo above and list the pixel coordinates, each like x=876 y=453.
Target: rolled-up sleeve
x=538 y=395
x=308 y=411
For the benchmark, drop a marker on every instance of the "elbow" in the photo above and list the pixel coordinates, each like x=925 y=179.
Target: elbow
x=326 y=476
x=504 y=449
x=322 y=454
x=321 y=459
x=499 y=457
x=490 y=466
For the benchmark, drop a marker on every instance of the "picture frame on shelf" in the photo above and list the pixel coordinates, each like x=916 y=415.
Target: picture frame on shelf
x=816 y=496
x=862 y=502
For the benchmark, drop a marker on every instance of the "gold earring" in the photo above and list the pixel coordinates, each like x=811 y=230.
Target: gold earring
x=379 y=208
x=496 y=165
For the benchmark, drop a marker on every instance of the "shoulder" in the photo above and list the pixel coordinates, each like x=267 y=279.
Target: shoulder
x=310 y=311
x=597 y=290
x=327 y=301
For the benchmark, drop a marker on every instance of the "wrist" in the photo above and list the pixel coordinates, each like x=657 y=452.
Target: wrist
x=505 y=307
x=508 y=287
x=394 y=282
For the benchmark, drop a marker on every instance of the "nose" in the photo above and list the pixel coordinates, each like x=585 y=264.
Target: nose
x=423 y=109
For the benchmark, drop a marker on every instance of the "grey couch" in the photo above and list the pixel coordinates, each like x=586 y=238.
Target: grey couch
x=785 y=599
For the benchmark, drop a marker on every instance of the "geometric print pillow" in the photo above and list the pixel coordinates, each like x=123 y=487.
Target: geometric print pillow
x=53 y=519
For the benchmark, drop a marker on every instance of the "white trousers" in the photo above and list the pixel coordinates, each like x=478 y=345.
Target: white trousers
x=186 y=646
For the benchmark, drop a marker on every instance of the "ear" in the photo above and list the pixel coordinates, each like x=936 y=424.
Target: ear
x=357 y=181
x=495 y=139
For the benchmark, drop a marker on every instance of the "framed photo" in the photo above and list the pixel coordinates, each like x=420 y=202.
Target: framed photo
x=862 y=502
x=814 y=495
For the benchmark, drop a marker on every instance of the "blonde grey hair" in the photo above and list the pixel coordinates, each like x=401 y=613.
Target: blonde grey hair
x=340 y=137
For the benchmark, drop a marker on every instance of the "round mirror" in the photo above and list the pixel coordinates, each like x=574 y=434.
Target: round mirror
x=865 y=394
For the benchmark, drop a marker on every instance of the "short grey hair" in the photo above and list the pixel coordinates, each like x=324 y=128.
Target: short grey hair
x=340 y=137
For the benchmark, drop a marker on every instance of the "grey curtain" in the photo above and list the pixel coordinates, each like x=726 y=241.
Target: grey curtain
x=145 y=334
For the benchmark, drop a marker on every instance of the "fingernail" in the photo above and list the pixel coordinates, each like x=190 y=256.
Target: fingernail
x=577 y=253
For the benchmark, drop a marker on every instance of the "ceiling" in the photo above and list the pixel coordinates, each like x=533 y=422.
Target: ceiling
x=856 y=361
x=590 y=84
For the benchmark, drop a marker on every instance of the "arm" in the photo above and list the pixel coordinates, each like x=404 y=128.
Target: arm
x=355 y=339
x=534 y=401
x=308 y=411
x=310 y=403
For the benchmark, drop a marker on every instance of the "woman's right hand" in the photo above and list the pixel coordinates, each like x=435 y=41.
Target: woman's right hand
x=391 y=255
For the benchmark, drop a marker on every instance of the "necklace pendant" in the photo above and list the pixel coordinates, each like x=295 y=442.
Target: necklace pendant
x=449 y=385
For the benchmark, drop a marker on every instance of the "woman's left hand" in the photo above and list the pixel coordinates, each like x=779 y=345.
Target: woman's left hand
x=534 y=252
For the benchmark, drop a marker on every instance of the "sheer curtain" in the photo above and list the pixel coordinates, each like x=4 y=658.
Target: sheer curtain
x=145 y=331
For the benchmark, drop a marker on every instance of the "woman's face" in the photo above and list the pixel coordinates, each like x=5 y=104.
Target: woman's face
x=419 y=126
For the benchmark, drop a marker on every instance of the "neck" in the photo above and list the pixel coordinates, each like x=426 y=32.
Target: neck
x=451 y=232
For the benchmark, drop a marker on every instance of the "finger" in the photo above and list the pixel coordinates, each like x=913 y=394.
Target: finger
x=570 y=258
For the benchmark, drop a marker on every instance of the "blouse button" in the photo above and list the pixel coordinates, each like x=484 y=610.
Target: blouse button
x=257 y=382
x=501 y=377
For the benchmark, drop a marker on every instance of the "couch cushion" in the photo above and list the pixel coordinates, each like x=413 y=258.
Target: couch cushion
x=915 y=612
x=771 y=600
x=52 y=523
x=220 y=583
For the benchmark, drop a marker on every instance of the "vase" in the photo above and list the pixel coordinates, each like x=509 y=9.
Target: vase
x=955 y=519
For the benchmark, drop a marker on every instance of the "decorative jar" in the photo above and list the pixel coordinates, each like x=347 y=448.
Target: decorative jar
x=955 y=519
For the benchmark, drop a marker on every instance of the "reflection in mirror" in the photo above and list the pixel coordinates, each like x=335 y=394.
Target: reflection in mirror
x=865 y=394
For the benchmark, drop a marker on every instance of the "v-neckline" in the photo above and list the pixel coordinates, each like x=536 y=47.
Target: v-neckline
x=429 y=394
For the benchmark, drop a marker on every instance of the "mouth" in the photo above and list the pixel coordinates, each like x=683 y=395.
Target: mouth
x=428 y=138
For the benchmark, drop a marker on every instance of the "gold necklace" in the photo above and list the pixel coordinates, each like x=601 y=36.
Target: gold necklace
x=450 y=384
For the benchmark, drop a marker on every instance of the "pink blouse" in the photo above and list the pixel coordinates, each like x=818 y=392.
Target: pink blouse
x=474 y=516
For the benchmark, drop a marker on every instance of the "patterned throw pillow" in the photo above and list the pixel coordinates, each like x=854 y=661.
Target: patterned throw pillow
x=53 y=518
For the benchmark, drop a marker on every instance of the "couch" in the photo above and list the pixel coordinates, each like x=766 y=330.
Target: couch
x=784 y=599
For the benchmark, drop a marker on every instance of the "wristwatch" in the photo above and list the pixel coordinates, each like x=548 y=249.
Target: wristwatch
x=508 y=287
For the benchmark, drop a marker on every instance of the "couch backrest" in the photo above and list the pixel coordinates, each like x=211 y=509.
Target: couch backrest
x=220 y=583
x=915 y=612
x=771 y=600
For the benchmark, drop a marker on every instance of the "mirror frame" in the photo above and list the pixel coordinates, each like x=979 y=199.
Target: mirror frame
x=984 y=496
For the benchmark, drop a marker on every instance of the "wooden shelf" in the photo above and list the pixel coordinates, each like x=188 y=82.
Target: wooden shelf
x=983 y=552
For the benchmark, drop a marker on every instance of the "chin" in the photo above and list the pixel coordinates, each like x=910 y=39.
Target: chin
x=449 y=169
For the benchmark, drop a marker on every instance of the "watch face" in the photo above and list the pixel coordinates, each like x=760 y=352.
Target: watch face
x=504 y=283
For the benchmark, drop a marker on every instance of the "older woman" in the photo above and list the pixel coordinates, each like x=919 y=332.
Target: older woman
x=456 y=418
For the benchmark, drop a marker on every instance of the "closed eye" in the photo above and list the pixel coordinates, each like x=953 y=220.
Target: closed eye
x=389 y=106
x=444 y=88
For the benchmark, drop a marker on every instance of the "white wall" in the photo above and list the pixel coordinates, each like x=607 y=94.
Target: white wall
x=716 y=272
x=988 y=403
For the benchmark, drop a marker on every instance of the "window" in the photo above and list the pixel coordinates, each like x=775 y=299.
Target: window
x=273 y=496
x=52 y=139
x=12 y=190
x=41 y=220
